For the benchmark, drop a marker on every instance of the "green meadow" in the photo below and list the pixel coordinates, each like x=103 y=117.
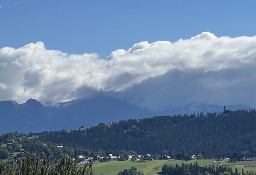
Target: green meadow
x=155 y=166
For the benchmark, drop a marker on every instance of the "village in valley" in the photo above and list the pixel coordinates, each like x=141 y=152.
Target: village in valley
x=14 y=146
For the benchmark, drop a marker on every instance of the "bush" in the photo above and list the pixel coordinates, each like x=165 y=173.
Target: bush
x=131 y=171
x=4 y=154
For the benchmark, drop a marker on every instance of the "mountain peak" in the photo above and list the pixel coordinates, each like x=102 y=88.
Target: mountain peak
x=33 y=102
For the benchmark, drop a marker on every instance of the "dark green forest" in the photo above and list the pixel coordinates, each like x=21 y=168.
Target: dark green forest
x=210 y=135
x=195 y=169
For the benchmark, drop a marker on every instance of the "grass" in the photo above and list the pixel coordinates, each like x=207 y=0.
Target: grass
x=113 y=167
x=149 y=167
x=155 y=166
x=3 y=146
x=241 y=165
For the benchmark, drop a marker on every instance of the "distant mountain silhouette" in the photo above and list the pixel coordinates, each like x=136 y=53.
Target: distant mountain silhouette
x=32 y=116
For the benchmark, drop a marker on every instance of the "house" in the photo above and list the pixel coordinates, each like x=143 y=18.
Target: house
x=103 y=159
x=166 y=157
x=111 y=157
x=129 y=157
x=100 y=159
x=251 y=158
x=81 y=159
x=193 y=157
x=9 y=146
x=148 y=157
x=136 y=158
x=84 y=162
x=125 y=157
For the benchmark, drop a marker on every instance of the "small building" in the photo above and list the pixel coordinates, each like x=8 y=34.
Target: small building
x=148 y=157
x=125 y=157
x=251 y=158
x=81 y=159
x=165 y=157
x=103 y=159
x=111 y=157
x=193 y=157
x=136 y=158
x=84 y=162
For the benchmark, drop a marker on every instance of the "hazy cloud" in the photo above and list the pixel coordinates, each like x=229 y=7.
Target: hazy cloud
x=202 y=69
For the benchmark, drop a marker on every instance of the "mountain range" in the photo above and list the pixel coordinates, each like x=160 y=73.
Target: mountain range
x=32 y=116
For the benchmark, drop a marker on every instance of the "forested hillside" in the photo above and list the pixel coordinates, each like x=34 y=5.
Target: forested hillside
x=211 y=134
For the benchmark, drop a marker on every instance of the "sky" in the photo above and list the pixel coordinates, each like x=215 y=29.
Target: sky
x=86 y=26
x=153 y=53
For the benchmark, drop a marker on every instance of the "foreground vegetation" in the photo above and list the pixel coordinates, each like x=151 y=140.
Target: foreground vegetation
x=31 y=165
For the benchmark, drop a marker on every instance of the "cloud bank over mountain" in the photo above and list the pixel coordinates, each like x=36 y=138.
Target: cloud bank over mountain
x=202 y=69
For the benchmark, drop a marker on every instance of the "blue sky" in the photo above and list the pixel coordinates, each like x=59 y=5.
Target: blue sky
x=85 y=26
x=197 y=51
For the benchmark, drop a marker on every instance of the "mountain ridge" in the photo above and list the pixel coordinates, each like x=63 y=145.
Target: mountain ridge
x=32 y=116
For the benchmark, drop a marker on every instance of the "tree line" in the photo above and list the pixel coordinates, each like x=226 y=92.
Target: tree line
x=195 y=169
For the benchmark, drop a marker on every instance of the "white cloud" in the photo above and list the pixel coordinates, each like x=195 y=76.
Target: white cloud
x=204 y=69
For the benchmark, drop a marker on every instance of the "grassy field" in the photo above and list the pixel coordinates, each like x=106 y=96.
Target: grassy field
x=113 y=167
x=155 y=166
x=247 y=166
